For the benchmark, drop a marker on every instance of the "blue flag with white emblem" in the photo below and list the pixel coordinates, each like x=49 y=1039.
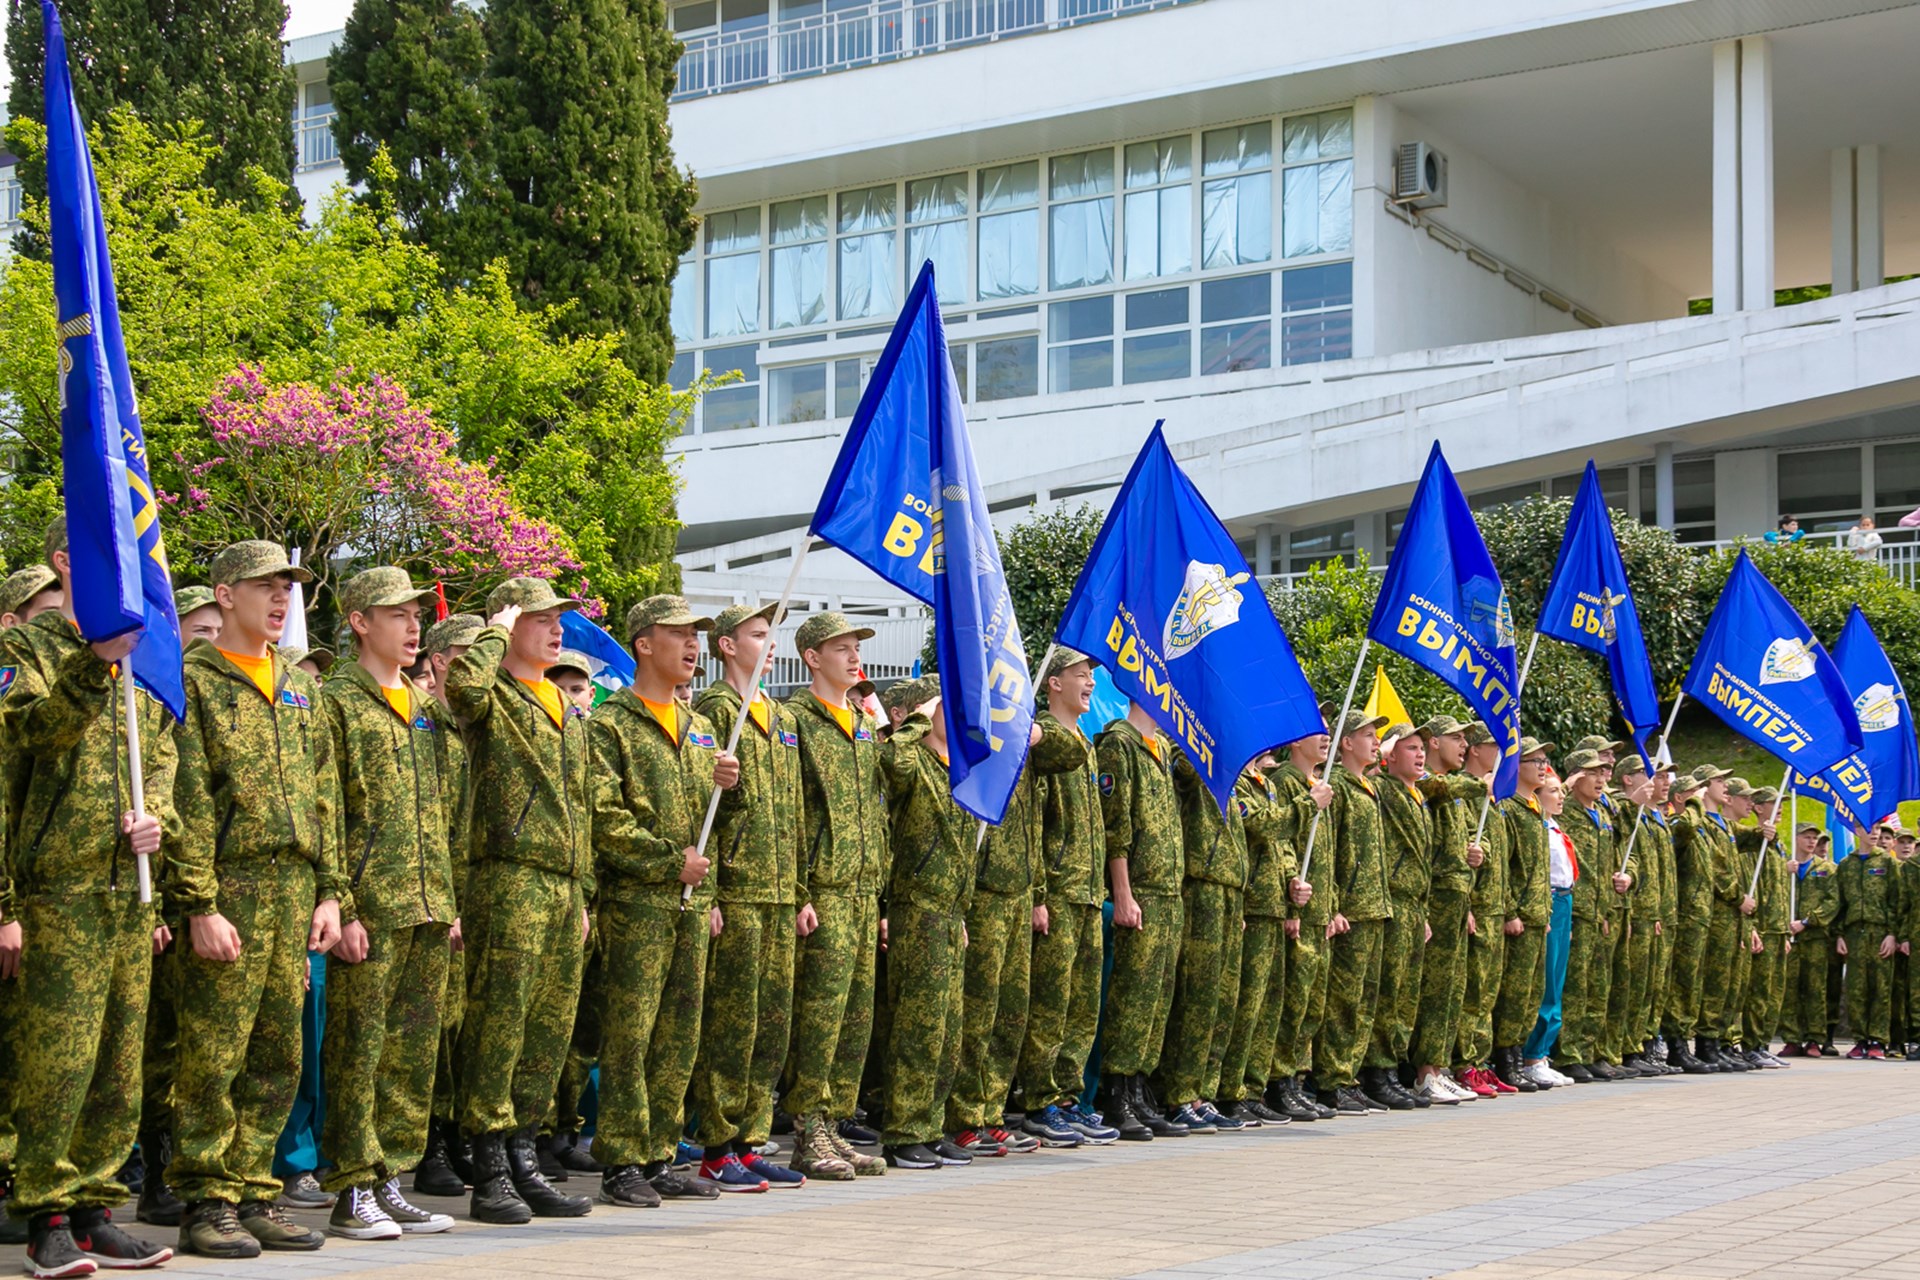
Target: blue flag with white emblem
x=1589 y=604
x=119 y=563
x=1167 y=604
x=1871 y=783
x=905 y=499
x=1761 y=669
x=613 y=667
x=1442 y=605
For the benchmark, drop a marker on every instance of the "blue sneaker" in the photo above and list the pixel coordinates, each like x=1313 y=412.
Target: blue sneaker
x=1090 y=1125
x=1051 y=1127
x=1190 y=1119
x=1226 y=1124
x=686 y=1155
x=728 y=1174
x=772 y=1174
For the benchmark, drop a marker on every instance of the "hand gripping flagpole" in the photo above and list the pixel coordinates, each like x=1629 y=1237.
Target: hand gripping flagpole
x=1786 y=785
x=1519 y=687
x=1639 y=811
x=1333 y=757
x=746 y=704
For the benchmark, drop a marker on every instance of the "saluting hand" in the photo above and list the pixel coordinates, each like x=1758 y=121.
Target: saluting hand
x=726 y=771
x=506 y=617
x=214 y=937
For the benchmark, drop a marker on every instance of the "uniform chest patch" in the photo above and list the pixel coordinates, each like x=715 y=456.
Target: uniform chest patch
x=1876 y=871
x=789 y=739
x=701 y=740
x=423 y=724
x=291 y=697
x=863 y=734
x=7 y=676
x=1106 y=784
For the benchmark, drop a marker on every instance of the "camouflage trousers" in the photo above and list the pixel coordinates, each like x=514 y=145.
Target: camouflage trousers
x=745 y=1023
x=656 y=975
x=1063 y=1005
x=1766 y=992
x=1589 y=955
x=1443 y=980
x=832 y=1006
x=1803 y=1010
x=85 y=969
x=10 y=1013
x=1206 y=989
x=1523 y=980
x=926 y=982
x=524 y=961
x=453 y=1004
x=1869 y=985
x=1627 y=990
x=1659 y=982
x=994 y=1007
x=1305 y=1004
x=1486 y=955
x=1353 y=996
x=376 y=1059
x=1680 y=1017
x=1401 y=951
x=1140 y=991
x=583 y=1043
x=1724 y=964
x=1256 y=1021
x=161 y=1049
x=240 y=1039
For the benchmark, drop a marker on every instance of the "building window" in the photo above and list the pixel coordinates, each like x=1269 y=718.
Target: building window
x=737 y=405
x=1505 y=496
x=1316 y=214
x=1080 y=338
x=1158 y=345
x=733 y=272
x=1320 y=544
x=865 y=255
x=1693 y=501
x=684 y=311
x=1236 y=200
x=1316 y=310
x=1236 y=332
x=1080 y=220
x=1010 y=230
x=937 y=233
x=1007 y=368
x=797 y=393
x=1159 y=208
x=1821 y=487
x=799 y=262
x=1896 y=486
x=1613 y=486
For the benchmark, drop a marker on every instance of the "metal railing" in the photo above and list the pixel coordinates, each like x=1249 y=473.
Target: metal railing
x=9 y=201
x=1898 y=552
x=313 y=138
x=878 y=31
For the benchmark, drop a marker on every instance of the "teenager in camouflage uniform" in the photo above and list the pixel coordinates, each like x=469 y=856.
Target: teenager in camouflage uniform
x=755 y=845
x=1408 y=854
x=1815 y=895
x=1453 y=801
x=1356 y=847
x=256 y=876
x=1695 y=839
x=1728 y=959
x=1767 y=981
x=84 y=938
x=1529 y=914
x=1583 y=1000
x=1870 y=916
x=1624 y=1033
x=1145 y=859
x=1662 y=868
x=1488 y=908
x=1314 y=900
x=658 y=761
x=1715 y=861
x=392 y=784
x=843 y=868
x=524 y=907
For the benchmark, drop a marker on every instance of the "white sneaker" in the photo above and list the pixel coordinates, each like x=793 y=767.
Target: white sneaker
x=357 y=1215
x=1559 y=1077
x=1458 y=1090
x=1542 y=1074
x=1431 y=1089
x=411 y=1218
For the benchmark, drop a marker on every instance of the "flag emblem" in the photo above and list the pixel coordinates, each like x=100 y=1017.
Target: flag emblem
x=1879 y=708
x=1106 y=784
x=1787 y=661
x=423 y=724
x=291 y=697
x=789 y=739
x=7 y=675
x=701 y=740
x=1208 y=603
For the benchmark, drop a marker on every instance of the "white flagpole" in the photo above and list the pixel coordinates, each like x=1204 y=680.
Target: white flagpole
x=135 y=777
x=1333 y=755
x=1661 y=757
x=1793 y=880
x=1786 y=785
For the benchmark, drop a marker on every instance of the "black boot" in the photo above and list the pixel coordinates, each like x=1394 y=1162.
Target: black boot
x=1681 y=1056
x=494 y=1197
x=157 y=1204
x=434 y=1176
x=1293 y=1103
x=1512 y=1071
x=566 y=1149
x=1148 y=1109
x=459 y=1153
x=546 y=1150
x=523 y=1166
x=1120 y=1112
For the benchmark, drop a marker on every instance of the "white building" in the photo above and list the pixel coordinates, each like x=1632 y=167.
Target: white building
x=1213 y=211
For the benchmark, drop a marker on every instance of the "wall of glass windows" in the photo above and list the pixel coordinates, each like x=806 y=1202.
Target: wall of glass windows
x=1829 y=489
x=1126 y=264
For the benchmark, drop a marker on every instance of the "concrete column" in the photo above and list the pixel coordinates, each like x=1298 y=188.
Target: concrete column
x=1263 y=550
x=1726 y=176
x=1870 y=267
x=1845 y=230
x=1370 y=536
x=1371 y=141
x=1663 y=484
x=1756 y=173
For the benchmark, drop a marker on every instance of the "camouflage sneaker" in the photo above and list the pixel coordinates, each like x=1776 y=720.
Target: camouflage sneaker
x=864 y=1165
x=211 y=1230
x=268 y=1223
x=815 y=1154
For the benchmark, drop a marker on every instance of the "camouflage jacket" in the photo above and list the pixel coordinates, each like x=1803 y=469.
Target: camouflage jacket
x=1775 y=878
x=1869 y=893
x=530 y=779
x=1014 y=858
x=1359 y=848
x=392 y=802
x=1816 y=898
x=1453 y=810
x=650 y=796
x=1409 y=839
x=1272 y=826
x=1293 y=787
x=756 y=838
x=1075 y=836
x=1140 y=810
x=1529 y=874
x=845 y=832
x=1490 y=897
x=1215 y=841
x=1591 y=831
x=934 y=864
x=249 y=780
x=62 y=712
x=1695 y=842
x=1650 y=864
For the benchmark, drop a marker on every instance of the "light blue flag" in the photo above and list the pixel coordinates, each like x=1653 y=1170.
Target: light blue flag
x=1105 y=706
x=1871 y=783
x=1442 y=605
x=1761 y=670
x=613 y=667
x=1590 y=604
x=119 y=563
x=1160 y=605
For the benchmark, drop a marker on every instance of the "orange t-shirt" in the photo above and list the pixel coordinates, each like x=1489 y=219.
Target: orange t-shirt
x=761 y=713
x=549 y=694
x=1153 y=745
x=258 y=670
x=667 y=714
x=844 y=715
x=400 y=700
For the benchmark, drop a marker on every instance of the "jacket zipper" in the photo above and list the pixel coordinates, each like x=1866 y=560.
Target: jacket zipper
x=373 y=833
x=925 y=858
x=220 y=836
x=280 y=767
x=524 y=809
x=419 y=829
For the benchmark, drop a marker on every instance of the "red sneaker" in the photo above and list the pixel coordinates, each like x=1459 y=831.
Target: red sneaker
x=978 y=1142
x=1498 y=1085
x=1858 y=1052
x=1479 y=1079
x=1017 y=1143
x=1876 y=1053
x=1811 y=1049
x=1792 y=1051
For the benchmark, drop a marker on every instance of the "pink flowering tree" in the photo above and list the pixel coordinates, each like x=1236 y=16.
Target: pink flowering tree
x=354 y=474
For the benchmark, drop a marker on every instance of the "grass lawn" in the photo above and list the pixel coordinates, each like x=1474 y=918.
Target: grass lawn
x=1700 y=737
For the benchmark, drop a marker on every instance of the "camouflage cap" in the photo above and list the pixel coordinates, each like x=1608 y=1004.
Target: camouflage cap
x=1441 y=727
x=1631 y=766
x=1478 y=735
x=1598 y=742
x=188 y=599
x=1530 y=747
x=901 y=694
x=571 y=660
x=1739 y=787
x=1704 y=773
x=454 y=629
x=378 y=588
x=1062 y=658
x=1394 y=734
x=23 y=585
x=533 y=595
x=822 y=627
x=729 y=619
x=242 y=561
x=321 y=657
x=1581 y=761
x=1766 y=795
x=1806 y=828
x=1357 y=720
x=665 y=611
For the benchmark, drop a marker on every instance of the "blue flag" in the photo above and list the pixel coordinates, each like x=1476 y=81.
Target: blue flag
x=612 y=665
x=1442 y=605
x=1589 y=604
x=1872 y=782
x=1105 y=706
x=1159 y=605
x=119 y=564
x=1760 y=669
x=905 y=500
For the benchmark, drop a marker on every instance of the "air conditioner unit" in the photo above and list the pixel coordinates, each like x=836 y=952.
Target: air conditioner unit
x=1420 y=177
